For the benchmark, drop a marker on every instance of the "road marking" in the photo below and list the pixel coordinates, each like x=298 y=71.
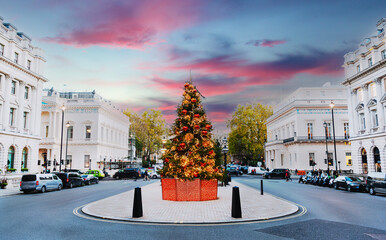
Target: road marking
x=78 y=212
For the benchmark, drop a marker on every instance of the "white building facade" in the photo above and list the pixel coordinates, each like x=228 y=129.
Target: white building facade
x=21 y=83
x=95 y=132
x=365 y=76
x=296 y=133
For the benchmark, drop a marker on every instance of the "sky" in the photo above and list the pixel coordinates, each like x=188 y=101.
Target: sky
x=138 y=54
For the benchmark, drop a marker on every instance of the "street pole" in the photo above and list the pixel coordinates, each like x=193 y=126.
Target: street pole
x=328 y=162
x=65 y=159
x=61 y=140
x=333 y=132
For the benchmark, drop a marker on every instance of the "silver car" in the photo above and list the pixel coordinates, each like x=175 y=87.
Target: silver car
x=40 y=182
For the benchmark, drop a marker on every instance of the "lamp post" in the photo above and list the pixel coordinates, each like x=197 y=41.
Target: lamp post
x=225 y=151
x=61 y=140
x=333 y=133
x=65 y=158
x=328 y=162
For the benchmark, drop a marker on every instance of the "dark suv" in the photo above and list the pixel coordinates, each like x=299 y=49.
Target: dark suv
x=275 y=173
x=376 y=183
x=126 y=173
x=71 y=179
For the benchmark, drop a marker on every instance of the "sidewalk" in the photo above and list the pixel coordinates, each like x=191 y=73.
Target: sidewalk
x=155 y=210
x=12 y=188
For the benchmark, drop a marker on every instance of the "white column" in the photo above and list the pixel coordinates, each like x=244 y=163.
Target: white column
x=380 y=110
x=353 y=115
x=32 y=116
x=50 y=115
x=20 y=112
x=38 y=107
x=7 y=94
x=366 y=109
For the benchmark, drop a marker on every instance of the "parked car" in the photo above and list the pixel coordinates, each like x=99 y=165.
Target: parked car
x=256 y=170
x=376 y=183
x=234 y=171
x=244 y=169
x=153 y=173
x=73 y=170
x=349 y=183
x=275 y=173
x=97 y=173
x=40 y=182
x=127 y=173
x=71 y=179
x=88 y=179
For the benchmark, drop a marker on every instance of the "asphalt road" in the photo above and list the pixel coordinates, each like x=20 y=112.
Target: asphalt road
x=331 y=214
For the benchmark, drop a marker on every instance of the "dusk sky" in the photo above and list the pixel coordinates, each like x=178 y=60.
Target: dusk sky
x=139 y=53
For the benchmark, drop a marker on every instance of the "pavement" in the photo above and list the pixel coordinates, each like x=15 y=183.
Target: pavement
x=12 y=188
x=255 y=207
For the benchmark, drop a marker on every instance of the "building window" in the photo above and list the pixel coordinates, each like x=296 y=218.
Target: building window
x=11 y=157
x=13 y=88
x=363 y=122
x=1 y=49
x=29 y=64
x=328 y=130
x=88 y=132
x=374 y=118
x=25 y=119
x=346 y=130
x=282 y=159
x=70 y=132
x=373 y=90
x=86 y=161
x=12 y=114
x=24 y=158
x=360 y=95
x=16 y=57
x=348 y=159
x=102 y=133
x=358 y=68
x=370 y=62
x=383 y=53
x=68 y=161
x=311 y=159
x=310 y=130
x=26 y=92
x=47 y=131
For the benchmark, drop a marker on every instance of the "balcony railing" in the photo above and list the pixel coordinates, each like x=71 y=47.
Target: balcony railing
x=313 y=139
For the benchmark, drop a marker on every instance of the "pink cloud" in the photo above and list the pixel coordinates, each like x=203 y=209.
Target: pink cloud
x=266 y=43
x=129 y=24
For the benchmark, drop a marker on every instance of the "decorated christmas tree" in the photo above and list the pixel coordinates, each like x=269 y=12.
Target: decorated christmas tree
x=191 y=153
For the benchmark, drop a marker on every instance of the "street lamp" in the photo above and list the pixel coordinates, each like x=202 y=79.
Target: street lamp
x=225 y=151
x=61 y=140
x=328 y=162
x=65 y=164
x=333 y=133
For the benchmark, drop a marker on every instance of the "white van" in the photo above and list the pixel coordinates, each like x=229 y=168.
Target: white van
x=40 y=182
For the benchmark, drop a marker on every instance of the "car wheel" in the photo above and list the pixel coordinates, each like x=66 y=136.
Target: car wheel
x=43 y=190
x=349 y=189
x=60 y=187
x=71 y=185
x=269 y=177
x=97 y=182
x=154 y=177
x=335 y=186
x=82 y=184
x=371 y=191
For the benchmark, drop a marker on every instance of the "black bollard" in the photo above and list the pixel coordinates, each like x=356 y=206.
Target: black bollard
x=137 y=206
x=261 y=187
x=236 y=204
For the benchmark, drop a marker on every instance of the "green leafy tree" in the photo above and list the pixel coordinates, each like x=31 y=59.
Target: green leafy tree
x=148 y=129
x=248 y=132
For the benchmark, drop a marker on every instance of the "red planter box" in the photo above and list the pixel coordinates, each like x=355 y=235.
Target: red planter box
x=196 y=190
